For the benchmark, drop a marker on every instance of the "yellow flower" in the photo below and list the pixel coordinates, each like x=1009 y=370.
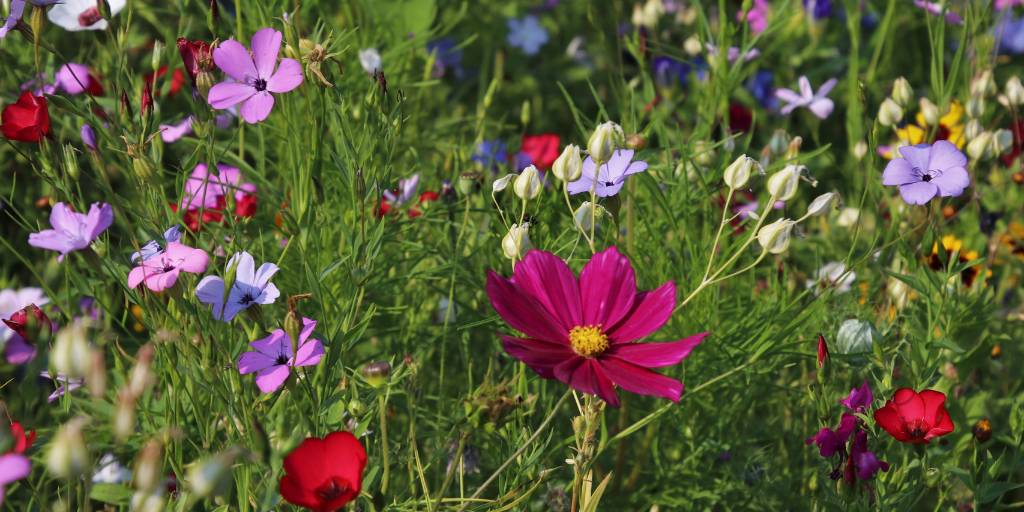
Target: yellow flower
x=951 y=128
x=1014 y=239
x=955 y=246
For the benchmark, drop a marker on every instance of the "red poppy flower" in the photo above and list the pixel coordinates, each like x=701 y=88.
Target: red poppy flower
x=22 y=441
x=27 y=120
x=324 y=474
x=542 y=149
x=915 y=418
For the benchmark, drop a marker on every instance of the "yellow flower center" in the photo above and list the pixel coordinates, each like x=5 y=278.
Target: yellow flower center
x=588 y=340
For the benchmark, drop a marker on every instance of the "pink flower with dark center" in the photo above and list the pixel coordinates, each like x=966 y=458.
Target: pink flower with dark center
x=253 y=76
x=272 y=358
x=583 y=331
x=161 y=270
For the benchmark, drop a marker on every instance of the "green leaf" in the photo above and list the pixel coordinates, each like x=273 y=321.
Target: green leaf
x=113 y=494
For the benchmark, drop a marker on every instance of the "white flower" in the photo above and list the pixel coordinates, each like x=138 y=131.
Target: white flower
x=782 y=185
x=369 y=58
x=111 y=471
x=902 y=92
x=833 y=275
x=75 y=15
x=848 y=217
x=569 y=165
x=890 y=113
x=929 y=111
x=1015 y=91
x=775 y=236
x=607 y=137
x=738 y=172
x=12 y=301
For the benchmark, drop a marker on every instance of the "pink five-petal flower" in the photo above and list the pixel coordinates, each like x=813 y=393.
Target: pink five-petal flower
x=272 y=358
x=72 y=231
x=253 y=77
x=161 y=270
x=13 y=467
x=583 y=331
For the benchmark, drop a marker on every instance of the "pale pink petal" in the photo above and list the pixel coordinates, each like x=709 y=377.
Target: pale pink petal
x=257 y=107
x=160 y=281
x=228 y=94
x=266 y=44
x=822 y=107
x=13 y=467
x=136 y=275
x=232 y=58
x=788 y=95
x=806 y=92
x=287 y=77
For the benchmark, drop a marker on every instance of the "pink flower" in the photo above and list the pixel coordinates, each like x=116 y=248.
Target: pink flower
x=253 y=76
x=13 y=467
x=582 y=331
x=161 y=270
x=756 y=17
x=205 y=190
x=72 y=231
x=272 y=357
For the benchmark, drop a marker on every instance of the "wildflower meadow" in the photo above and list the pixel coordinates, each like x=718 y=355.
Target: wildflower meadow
x=538 y=255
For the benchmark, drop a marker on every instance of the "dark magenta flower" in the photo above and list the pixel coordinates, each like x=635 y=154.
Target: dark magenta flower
x=859 y=399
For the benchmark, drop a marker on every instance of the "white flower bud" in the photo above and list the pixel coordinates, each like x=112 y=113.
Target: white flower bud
x=848 y=217
x=211 y=476
x=775 y=236
x=1015 y=91
x=975 y=107
x=528 y=184
x=569 y=165
x=1002 y=141
x=516 y=243
x=779 y=142
x=782 y=185
x=902 y=93
x=855 y=337
x=607 y=137
x=821 y=204
x=586 y=214
x=738 y=172
x=930 y=112
x=703 y=153
x=67 y=456
x=889 y=113
x=143 y=501
x=983 y=85
x=860 y=149
x=898 y=291
x=71 y=354
x=973 y=129
x=981 y=146
x=693 y=47
x=502 y=182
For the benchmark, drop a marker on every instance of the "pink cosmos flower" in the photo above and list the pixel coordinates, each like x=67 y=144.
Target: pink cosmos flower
x=13 y=467
x=161 y=270
x=582 y=331
x=272 y=357
x=253 y=76
x=72 y=231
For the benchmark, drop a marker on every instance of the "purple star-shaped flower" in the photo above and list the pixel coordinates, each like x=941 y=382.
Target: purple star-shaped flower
x=72 y=231
x=925 y=171
x=272 y=359
x=612 y=176
x=253 y=76
x=251 y=286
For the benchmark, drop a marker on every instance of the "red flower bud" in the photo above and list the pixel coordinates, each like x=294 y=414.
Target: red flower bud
x=197 y=57
x=822 y=351
x=27 y=120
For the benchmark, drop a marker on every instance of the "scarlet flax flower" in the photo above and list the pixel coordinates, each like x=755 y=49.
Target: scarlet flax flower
x=27 y=120
x=541 y=149
x=323 y=475
x=915 y=418
x=582 y=332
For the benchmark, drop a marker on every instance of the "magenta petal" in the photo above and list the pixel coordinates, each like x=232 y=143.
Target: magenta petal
x=641 y=381
x=228 y=94
x=287 y=77
x=540 y=356
x=549 y=280
x=253 y=362
x=918 y=193
x=309 y=353
x=136 y=275
x=607 y=288
x=522 y=311
x=266 y=44
x=650 y=311
x=656 y=355
x=232 y=58
x=270 y=379
x=13 y=467
x=160 y=281
x=257 y=107
x=590 y=378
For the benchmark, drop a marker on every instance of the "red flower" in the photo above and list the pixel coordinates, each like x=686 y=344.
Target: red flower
x=915 y=418
x=28 y=120
x=740 y=118
x=1018 y=143
x=244 y=207
x=22 y=442
x=822 y=351
x=196 y=55
x=542 y=149
x=151 y=86
x=30 y=325
x=324 y=474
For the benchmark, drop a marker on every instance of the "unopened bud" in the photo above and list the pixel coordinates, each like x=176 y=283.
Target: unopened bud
x=783 y=184
x=587 y=215
x=147 y=502
x=67 y=456
x=1002 y=141
x=568 y=166
x=983 y=85
x=975 y=107
x=703 y=153
x=96 y=377
x=528 y=184
x=142 y=376
x=502 y=182
x=779 y=142
x=981 y=146
x=973 y=129
x=929 y=111
x=517 y=242
x=468 y=183
x=774 y=237
x=821 y=204
x=149 y=473
x=607 y=138
x=902 y=93
x=693 y=47
x=211 y=476
x=860 y=149
x=377 y=373
x=71 y=354
x=1014 y=91
x=738 y=173
x=889 y=113
x=793 y=150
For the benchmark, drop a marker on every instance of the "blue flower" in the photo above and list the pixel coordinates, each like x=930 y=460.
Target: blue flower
x=761 y=86
x=447 y=56
x=490 y=154
x=526 y=34
x=819 y=9
x=669 y=71
x=1010 y=32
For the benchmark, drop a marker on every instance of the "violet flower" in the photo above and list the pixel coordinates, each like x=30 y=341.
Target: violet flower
x=253 y=76
x=64 y=385
x=74 y=79
x=926 y=170
x=154 y=247
x=406 y=191
x=860 y=399
x=88 y=136
x=250 y=286
x=272 y=358
x=205 y=190
x=936 y=9
x=161 y=270
x=612 y=176
x=491 y=154
x=756 y=17
x=733 y=53
x=17 y=10
x=526 y=33
x=72 y=231
x=816 y=102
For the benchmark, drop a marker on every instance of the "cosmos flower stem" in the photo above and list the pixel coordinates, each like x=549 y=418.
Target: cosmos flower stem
x=522 y=449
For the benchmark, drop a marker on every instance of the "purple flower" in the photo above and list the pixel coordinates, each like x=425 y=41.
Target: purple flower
x=72 y=231
x=925 y=171
x=154 y=247
x=935 y=8
x=757 y=16
x=830 y=441
x=253 y=77
x=13 y=467
x=447 y=56
x=817 y=102
x=272 y=358
x=17 y=10
x=172 y=132
x=865 y=463
x=761 y=87
x=161 y=270
x=205 y=190
x=1010 y=35
x=491 y=154
x=733 y=53
x=406 y=191
x=88 y=136
x=64 y=385
x=250 y=286
x=526 y=33
x=860 y=398
x=611 y=177
x=73 y=78
x=818 y=9
x=669 y=72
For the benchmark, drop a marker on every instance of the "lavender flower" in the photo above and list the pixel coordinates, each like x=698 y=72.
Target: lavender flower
x=72 y=231
x=490 y=154
x=527 y=34
x=936 y=9
x=612 y=176
x=447 y=57
x=406 y=191
x=925 y=171
x=816 y=102
x=250 y=286
x=154 y=247
x=272 y=358
x=253 y=76
x=88 y=136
